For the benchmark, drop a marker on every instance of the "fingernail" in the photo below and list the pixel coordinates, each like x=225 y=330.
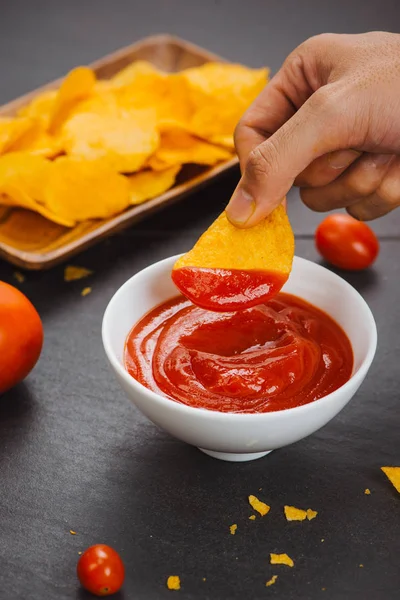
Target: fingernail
x=240 y=207
x=342 y=158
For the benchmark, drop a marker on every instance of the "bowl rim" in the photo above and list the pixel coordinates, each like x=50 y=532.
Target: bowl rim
x=169 y=403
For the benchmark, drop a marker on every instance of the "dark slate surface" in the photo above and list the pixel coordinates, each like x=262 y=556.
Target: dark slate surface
x=74 y=454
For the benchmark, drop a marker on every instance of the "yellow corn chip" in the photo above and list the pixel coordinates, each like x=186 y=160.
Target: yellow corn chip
x=37 y=141
x=233 y=529
x=311 y=514
x=393 y=474
x=252 y=517
x=86 y=291
x=174 y=582
x=281 y=559
x=259 y=506
x=268 y=246
x=149 y=184
x=223 y=140
x=72 y=273
x=221 y=93
x=17 y=198
x=40 y=108
x=178 y=147
x=23 y=177
x=11 y=130
x=134 y=72
x=367 y=492
x=124 y=140
x=79 y=190
x=272 y=580
x=77 y=85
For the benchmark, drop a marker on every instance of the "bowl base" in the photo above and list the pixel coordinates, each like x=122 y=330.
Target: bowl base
x=230 y=457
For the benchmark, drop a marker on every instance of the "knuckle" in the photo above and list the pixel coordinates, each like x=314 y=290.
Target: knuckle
x=261 y=160
x=324 y=100
x=360 y=186
x=389 y=189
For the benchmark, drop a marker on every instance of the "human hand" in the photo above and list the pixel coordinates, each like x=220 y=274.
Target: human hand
x=329 y=122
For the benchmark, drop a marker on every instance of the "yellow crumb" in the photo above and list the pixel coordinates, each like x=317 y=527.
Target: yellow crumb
x=252 y=517
x=72 y=532
x=72 y=273
x=272 y=580
x=323 y=589
x=322 y=539
x=361 y=566
x=281 y=559
x=79 y=553
x=259 y=506
x=298 y=514
x=204 y=579
x=19 y=277
x=233 y=528
x=311 y=514
x=174 y=582
x=86 y=291
x=367 y=492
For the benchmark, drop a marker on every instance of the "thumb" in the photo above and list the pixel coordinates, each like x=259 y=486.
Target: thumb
x=318 y=127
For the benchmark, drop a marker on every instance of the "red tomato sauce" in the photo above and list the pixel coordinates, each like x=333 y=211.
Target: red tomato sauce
x=225 y=289
x=270 y=357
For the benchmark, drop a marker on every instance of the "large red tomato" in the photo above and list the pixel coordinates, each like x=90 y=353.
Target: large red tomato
x=346 y=243
x=21 y=336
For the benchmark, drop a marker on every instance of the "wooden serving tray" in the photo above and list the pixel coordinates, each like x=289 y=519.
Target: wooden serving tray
x=32 y=242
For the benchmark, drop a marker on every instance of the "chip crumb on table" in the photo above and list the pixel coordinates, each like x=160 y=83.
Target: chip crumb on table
x=174 y=582
x=259 y=506
x=86 y=291
x=233 y=528
x=20 y=277
x=271 y=581
x=73 y=273
x=298 y=514
x=281 y=559
x=367 y=492
x=252 y=517
x=72 y=532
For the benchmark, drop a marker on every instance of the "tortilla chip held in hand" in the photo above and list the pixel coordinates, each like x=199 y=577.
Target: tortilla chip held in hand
x=232 y=269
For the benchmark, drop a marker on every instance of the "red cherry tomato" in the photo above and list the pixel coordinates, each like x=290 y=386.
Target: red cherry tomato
x=346 y=243
x=101 y=570
x=21 y=336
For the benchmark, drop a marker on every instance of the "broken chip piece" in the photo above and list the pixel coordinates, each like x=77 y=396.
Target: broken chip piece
x=393 y=474
x=233 y=528
x=72 y=273
x=272 y=580
x=281 y=559
x=174 y=582
x=259 y=506
x=297 y=514
x=231 y=269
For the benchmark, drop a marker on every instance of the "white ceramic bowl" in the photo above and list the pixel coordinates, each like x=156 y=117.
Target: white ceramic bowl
x=230 y=436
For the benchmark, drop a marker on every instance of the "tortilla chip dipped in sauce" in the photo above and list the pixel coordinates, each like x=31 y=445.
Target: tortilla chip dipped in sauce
x=232 y=269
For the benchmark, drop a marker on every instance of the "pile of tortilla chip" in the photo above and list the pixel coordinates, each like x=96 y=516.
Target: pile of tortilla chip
x=92 y=148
